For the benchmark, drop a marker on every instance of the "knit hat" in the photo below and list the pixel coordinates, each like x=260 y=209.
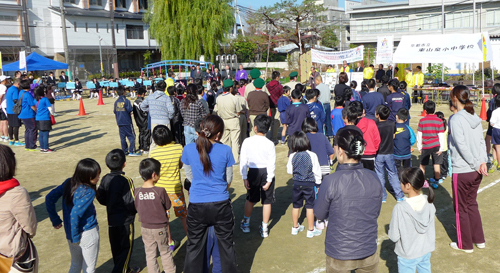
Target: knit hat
x=259 y=83
x=227 y=83
x=255 y=73
x=294 y=74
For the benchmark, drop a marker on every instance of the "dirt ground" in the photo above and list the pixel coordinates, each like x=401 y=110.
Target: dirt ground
x=76 y=137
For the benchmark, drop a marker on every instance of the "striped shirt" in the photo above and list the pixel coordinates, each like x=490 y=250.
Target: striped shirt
x=169 y=157
x=430 y=126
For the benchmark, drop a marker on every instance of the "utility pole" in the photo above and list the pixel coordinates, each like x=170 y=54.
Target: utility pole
x=473 y=31
x=235 y=31
x=113 y=40
x=442 y=30
x=268 y=47
x=65 y=37
x=27 y=40
x=100 y=56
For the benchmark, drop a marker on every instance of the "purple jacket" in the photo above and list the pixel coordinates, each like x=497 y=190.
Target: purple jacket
x=241 y=74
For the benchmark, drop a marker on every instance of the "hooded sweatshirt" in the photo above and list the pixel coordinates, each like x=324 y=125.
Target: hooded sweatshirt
x=159 y=106
x=412 y=227
x=467 y=146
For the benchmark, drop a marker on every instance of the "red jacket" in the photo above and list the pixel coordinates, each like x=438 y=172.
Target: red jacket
x=275 y=92
x=370 y=135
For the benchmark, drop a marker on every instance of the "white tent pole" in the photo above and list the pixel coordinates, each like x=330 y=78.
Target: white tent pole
x=483 y=79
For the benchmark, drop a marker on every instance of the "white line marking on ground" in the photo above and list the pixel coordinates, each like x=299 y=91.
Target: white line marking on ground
x=489 y=186
x=318 y=270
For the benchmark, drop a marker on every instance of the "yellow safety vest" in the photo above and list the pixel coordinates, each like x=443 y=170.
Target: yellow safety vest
x=345 y=69
x=330 y=70
x=409 y=79
x=418 y=79
x=368 y=73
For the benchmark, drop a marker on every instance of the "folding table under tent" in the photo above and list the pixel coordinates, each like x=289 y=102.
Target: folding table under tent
x=36 y=62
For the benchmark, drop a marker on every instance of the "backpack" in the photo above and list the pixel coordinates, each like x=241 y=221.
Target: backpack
x=19 y=105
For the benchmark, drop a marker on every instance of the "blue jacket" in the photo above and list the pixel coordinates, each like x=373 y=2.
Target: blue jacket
x=403 y=140
x=78 y=217
x=370 y=103
x=337 y=121
x=318 y=114
x=159 y=106
x=395 y=101
x=122 y=110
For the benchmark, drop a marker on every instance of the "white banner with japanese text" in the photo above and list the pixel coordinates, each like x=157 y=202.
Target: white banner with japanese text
x=443 y=48
x=22 y=60
x=337 y=57
x=385 y=49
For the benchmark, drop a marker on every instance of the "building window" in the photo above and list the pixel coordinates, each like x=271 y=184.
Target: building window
x=70 y=1
x=96 y=2
x=96 y=27
x=135 y=32
x=459 y=20
x=493 y=17
x=143 y=4
x=74 y=25
x=8 y=18
x=86 y=27
x=121 y=3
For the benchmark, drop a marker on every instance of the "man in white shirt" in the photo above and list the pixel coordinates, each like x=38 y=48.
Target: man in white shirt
x=4 y=123
x=257 y=166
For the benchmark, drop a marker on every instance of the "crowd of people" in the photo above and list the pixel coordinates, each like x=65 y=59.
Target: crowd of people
x=208 y=131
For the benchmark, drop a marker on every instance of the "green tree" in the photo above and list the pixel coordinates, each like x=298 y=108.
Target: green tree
x=243 y=48
x=147 y=57
x=328 y=37
x=187 y=29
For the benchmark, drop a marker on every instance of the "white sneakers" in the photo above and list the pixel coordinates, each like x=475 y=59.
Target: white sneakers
x=481 y=246
x=455 y=246
x=296 y=230
x=313 y=233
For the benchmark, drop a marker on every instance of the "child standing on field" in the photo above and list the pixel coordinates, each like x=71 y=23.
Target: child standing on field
x=315 y=111
x=304 y=166
x=116 y=192
x=169 y=154
x=445 y=164
x=337 y=120
x=495 y=133
x=141 y=120
x=283 y=103
x=412 y=226
x=257 y=165
x=403 y=140
x=320 y=145
x=122 y=110
x=152 y=204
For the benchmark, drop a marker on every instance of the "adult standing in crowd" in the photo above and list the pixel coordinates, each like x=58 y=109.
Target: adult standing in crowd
x=409 y=80
x=388 y=73
x=160 y=108
x=18 y=220
x=368 y=72
x=27 y=115
x=217 y=77
x=312 y=77
x=380 y=73
x=275 y=90
x=351 y=238
x=254 y=74
x=4 y=123
x=293 y=80
x=359 y=68
x=330 y=69
x=229 y=109
x=191 y=110
x=208 y=165
x=51 y=80
x=468 y=158
x=325 y=97
x=418 y=82
x=63 y=78
x=258 y=103
x=345 y=67
x=197 y=73
x=241 y=74
x=227 y=74
x=339 y=88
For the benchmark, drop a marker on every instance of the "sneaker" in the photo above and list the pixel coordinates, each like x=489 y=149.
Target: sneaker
x=11 y=143
x=245 y=226
x=134 y=154
x=384 y=201
x=320 y=224
x=173 y=245
x=30 y=150
x=455 y=246
x=264 y=233
x=493 y=167
x=145 y=152
x=401 y=199
x=426 y=185
x=19 y=143
x=55 y=115
x=46 y=151
x=296 y=230
x=481 y=246
x=281 y=142
x=135 y=270
x=313 y=233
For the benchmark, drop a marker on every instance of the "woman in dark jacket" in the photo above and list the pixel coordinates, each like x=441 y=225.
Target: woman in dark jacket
x=341 y=86
x=350 y=199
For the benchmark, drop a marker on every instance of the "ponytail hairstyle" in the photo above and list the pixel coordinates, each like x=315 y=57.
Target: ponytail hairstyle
x=441 y=116
x=210 y=126
x=86 y=170
x=461 y=92
x=351 y=142
x=191 y=95
x=416 y=178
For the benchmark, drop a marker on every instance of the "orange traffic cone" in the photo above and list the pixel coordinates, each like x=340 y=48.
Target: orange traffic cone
x=81 y=112
x=423 y=112
x=483 y=110
x=100 y=102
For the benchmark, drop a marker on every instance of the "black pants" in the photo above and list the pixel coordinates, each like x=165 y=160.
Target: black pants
x=445 y=166
x=121 y=239
x=127 y=131
x=144 y=138
x=368 y=162
x=402 y=164
x=178 y=131
x=200 y=217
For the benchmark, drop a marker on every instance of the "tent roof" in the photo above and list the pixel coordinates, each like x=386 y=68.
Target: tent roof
x=36 y=62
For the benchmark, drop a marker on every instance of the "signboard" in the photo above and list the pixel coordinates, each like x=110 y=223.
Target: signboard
x=443 y=48
x=337 y=57
x=358 y=77
x=22 y=60
x=385 y=49
x=329 y=79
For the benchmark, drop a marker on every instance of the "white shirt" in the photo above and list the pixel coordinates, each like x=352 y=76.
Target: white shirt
x=494 y=120
x=3 y=91
x=258 y=152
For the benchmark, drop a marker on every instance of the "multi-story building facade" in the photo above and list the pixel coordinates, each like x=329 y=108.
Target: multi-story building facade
x=12 y=29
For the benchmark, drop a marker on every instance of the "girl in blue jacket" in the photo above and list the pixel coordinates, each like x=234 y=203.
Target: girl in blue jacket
x=79 y=215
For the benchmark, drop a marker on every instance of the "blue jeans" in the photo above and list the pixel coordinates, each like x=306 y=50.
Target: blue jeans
x=328 y=123
x=385 y=163
x=43 y=138
x=422 y=264
x=190 y=134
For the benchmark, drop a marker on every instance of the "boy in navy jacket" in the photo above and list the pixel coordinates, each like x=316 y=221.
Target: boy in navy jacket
x=122 y=111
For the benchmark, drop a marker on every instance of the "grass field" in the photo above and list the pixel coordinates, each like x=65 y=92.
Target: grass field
x=76 y=137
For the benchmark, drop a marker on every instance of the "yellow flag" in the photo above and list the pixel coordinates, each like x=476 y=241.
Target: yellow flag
x=485 y=49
